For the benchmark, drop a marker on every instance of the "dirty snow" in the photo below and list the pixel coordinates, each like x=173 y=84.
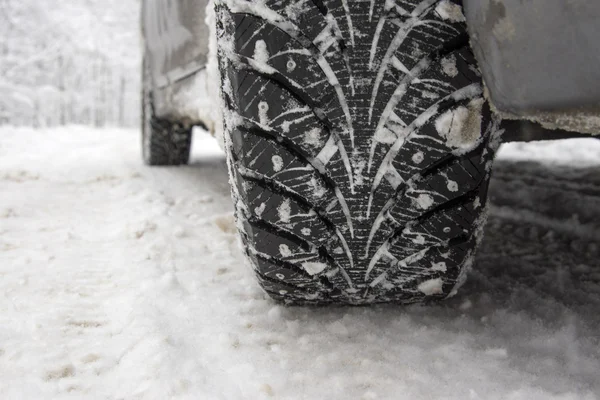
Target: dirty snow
x=449 y=66
x=461 y=126
x=450 y=11
x=118 y=281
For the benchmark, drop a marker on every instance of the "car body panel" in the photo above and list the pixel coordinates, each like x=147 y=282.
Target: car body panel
x=540 y=58
x=175 y=39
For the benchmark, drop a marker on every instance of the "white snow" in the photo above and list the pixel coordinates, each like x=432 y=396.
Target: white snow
x=260 y=209
x=431 y=287
x=284 y=210
x=576 y=153
x=277 y=163
x=102 y=296
x=327 y=152
x=450 y=11
x=420 y=239
x=452 y=185
x=441 y=266
x=418 y=157
x=263 y=108
x=261 y=54
x=314 y=268
x=385 y=136
x=461 y=126
x=318 y=189
x=194 y=101
x=284 y=250
x=424 y=201
x=312 y=138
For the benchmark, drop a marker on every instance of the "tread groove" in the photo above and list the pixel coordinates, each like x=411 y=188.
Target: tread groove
x=321 y=6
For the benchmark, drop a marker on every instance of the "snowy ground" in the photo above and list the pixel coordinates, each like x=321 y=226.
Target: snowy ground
x=122 y=282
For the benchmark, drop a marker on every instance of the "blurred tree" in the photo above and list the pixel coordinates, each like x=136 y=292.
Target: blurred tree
x=69 y=62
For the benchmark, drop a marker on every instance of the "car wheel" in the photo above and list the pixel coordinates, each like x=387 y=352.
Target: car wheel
x=164 y=142
x=359 y=146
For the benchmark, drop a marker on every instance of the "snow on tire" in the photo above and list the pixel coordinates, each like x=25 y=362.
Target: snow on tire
x=359 y=146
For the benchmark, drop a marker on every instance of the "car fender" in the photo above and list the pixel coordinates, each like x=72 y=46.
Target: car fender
x=540 y=59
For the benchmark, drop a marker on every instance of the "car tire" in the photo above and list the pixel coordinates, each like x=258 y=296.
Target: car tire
x=164 y=142
x=359 y=146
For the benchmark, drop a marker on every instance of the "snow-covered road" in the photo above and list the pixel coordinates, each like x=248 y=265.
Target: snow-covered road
x=118 y=281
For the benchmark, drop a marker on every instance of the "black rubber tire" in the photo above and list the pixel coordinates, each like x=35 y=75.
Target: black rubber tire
x=164 y=142
x=359 y=146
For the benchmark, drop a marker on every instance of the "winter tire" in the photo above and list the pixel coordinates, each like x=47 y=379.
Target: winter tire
x=359 y=146
x=164 y=142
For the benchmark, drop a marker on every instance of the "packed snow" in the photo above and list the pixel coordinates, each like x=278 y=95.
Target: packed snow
x=450 y=11
x=122 y=281
x=461 y=127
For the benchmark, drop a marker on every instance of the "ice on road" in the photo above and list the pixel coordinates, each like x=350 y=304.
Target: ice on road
x=118 y=281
